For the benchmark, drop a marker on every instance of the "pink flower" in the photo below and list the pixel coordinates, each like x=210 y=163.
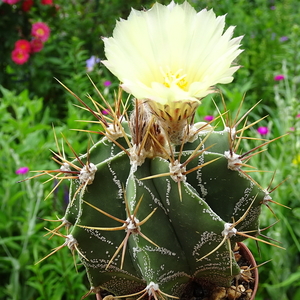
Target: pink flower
x=11 y=2
x=26 y=5
x=36 y=45
x=23 y=45
x=22 y=170
x=107 y=83
x=298 y=116
x=105 y=111
x=47 y=2
x=19 y=56
x=263 y=130
x=279 y=77
x=208 y=118
x=40 y=30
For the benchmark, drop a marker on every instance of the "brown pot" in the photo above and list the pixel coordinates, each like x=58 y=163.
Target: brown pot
x=246 y=253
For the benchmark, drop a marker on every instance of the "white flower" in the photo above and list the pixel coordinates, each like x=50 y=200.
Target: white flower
x=171 y=53
x=171 y=57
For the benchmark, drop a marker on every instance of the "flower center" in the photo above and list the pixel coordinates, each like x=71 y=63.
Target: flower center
x=171 y=78
x=40 y=32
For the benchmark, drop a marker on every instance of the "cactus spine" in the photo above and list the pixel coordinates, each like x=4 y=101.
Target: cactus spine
x=151 y=217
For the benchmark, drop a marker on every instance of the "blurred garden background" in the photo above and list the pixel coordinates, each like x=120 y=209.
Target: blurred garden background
x=46 y=39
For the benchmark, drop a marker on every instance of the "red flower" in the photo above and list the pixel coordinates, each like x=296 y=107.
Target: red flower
x=11 y=2
x=23 y=45
x=26 y=5
x=40 y=30
x=19 y=56
x=36 y=45
x=47 y=2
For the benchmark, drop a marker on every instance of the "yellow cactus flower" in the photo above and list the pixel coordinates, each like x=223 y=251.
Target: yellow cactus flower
x=171 y=56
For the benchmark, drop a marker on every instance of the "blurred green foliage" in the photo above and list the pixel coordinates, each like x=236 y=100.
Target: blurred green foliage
x=31 y=100
x=76 y=31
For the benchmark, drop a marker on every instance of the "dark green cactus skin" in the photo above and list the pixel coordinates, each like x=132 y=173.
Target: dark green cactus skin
x=181 y=226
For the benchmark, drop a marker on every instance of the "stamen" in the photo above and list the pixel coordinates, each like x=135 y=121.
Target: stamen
x=171 y=78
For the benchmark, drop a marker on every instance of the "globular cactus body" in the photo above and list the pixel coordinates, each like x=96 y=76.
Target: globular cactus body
x=139 y=229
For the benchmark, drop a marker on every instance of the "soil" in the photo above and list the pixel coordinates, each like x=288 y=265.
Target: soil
x=241 y=289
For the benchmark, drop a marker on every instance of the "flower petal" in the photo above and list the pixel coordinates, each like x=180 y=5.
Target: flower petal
x=172 y=47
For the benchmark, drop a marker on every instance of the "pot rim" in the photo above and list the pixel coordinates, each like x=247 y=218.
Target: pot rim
x=246 y=253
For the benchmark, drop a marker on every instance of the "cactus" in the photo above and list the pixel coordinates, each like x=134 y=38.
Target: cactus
x=159 y=202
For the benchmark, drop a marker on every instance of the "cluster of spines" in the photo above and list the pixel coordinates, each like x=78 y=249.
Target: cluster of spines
x=146 y=135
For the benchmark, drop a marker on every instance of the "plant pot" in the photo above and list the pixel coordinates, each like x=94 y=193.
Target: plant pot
x=247 y=255
x=249 y=281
